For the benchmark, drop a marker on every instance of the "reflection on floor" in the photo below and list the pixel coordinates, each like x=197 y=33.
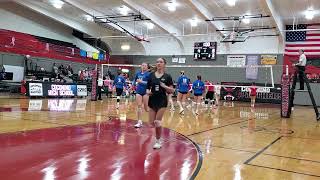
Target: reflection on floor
x=236 y=141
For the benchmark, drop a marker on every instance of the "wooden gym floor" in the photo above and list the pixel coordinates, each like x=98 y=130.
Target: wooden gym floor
x=41 y=139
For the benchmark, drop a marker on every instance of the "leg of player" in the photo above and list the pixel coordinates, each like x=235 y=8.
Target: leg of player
x=139 y=100
x=158 y=127
x=179 y=99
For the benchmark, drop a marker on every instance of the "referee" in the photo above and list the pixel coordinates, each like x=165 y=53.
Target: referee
x=301 y=65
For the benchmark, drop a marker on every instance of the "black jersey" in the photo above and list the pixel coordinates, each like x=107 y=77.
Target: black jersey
x=154 y=84
x=158 y=98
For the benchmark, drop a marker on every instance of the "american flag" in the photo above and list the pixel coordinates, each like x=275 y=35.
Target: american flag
x=309 y=41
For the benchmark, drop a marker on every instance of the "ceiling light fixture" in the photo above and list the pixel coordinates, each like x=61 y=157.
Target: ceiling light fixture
x=125 y=47
x=57 y=3
x=172 y=6
x=149 y=25
x=309 y=14
x=124 y=10
x=88 y=17
x=246 y=18
x=194 y=22
x=231 y=2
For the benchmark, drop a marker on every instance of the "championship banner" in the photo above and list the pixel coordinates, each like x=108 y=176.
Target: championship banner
x=268 y=59
x=264 y=94
x=252 y=72
x=236 y=60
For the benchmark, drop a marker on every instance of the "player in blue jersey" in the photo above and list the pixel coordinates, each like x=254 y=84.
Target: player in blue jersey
x=119 y=83
x=141 y=80
x=198 y=88
x=183 y=86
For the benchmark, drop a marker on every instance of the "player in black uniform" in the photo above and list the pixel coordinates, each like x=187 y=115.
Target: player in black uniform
x=159 y=84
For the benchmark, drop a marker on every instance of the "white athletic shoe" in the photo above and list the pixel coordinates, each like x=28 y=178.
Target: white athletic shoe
x=139 y=124
x=157 y=145
x=172 y=109
x=181 y=111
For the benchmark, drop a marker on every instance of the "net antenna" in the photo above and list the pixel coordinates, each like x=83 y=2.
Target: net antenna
x=223 y=73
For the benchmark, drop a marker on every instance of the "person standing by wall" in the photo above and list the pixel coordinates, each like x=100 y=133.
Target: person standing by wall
x=301 y=66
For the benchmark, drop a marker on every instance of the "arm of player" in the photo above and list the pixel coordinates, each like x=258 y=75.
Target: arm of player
x=169 y=89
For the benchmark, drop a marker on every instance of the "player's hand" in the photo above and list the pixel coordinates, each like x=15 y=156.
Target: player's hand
x=139 y=81
x=149 y=92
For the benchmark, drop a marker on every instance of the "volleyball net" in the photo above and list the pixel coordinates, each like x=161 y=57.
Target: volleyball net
x=265 y=76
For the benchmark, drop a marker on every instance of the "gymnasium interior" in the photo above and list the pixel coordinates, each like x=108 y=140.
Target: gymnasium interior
x=57 y=121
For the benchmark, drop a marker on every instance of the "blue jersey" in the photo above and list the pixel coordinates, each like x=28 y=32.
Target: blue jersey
x=119 y=82
x=142 y=87
x=198 y=87
x=183 y=84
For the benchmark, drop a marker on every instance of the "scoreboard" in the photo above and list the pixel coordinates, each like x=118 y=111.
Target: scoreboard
x=205 y=50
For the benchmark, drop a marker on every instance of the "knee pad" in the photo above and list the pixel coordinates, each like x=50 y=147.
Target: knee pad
x=157 y=123
x=118 y=98
x=206 y=101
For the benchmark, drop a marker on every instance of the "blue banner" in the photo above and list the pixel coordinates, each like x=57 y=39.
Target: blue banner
x=252 y=72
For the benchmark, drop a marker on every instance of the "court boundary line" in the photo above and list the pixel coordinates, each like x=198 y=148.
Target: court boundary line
x=200 y=132
x=288 y=157
x=262 y=150
x=278 y=169
x=200 y=155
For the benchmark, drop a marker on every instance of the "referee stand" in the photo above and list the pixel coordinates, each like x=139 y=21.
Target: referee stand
x=293 y=90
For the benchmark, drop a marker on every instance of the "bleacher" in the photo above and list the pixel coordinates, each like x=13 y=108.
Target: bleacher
x=22 y=43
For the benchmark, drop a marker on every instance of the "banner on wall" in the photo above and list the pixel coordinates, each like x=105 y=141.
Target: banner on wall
x=268 y=59
x=182 y=60
x=236 y=60
x=252 y=69
x=175 y=59
x=264 y=94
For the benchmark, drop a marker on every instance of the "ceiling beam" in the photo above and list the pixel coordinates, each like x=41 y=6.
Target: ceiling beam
x=205 y=13
x=173 y=31
x=269 y=7
x=93 y=12
x=85 y=28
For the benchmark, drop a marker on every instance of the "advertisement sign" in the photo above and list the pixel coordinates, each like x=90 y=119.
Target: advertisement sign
x=62 y=90
x=236 y=60
x=82 y=90
x=268 y=59
x=35 y=89
x=264 y=94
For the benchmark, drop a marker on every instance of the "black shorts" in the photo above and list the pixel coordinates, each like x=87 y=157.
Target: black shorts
x=119 y=91
x=209 y=95
x=197 y=94
x=183 y=92
x=157 y=102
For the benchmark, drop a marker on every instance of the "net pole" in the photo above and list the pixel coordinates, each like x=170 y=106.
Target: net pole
x=272 y=79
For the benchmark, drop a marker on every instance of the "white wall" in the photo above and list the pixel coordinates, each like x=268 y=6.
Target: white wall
x=83 y=45
x=256 y=45
x=170 y=46
x=136 y=48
